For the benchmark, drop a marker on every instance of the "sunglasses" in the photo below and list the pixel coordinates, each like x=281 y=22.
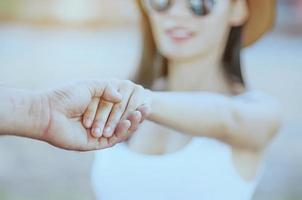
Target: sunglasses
x=197 y=7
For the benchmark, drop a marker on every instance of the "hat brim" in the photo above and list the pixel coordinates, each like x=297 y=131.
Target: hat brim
x=261 y=20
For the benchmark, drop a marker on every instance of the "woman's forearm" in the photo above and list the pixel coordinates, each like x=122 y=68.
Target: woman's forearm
x=194 y=113
x=233 y=120
x=22 y=113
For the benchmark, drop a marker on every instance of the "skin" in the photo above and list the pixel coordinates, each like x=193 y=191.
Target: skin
x=55 y=116
x=210 y=104
x=249 y=119
x=103 y=116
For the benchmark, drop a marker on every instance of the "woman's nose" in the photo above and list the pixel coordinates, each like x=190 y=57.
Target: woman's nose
x=179 y=9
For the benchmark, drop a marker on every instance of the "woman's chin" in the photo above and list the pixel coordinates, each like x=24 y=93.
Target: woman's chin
x=178 y=56
x=180 y=52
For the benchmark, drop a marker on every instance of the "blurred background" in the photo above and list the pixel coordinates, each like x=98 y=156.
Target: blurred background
x=43 y=43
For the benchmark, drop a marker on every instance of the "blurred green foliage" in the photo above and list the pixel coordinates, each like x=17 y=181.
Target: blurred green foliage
x=9 y=7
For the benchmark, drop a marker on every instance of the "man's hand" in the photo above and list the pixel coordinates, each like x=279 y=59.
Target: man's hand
x=66 y=108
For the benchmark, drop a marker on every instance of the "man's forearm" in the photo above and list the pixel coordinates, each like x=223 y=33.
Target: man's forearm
x=22 y=113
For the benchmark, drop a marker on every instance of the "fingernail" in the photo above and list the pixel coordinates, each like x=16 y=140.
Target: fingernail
x=118 y=94
x=138 y=113
x=107 y=130
x=97 y=132
x=146 y=108
x=88 y=122
x=128 y=123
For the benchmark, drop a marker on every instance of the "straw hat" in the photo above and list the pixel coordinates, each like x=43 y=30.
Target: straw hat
x=261 y=19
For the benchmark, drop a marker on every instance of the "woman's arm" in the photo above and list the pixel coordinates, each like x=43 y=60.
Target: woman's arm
x=247 y=121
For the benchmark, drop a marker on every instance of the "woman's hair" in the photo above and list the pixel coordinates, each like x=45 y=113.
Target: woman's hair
x=153 y=65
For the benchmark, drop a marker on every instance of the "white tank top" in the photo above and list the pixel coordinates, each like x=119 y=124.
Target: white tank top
x=202 y=170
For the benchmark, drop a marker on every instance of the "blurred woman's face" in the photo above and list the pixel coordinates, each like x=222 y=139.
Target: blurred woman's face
x=184 y=29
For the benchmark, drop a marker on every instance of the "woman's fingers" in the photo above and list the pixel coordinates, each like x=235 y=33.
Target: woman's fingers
x=101 y=118
x=138 y=98
x=90 y=112
x=108 y=116
x=111 y=94
x=107 y=90
x=118 y=110
x=145 y=111
x=114 y=123
x=121 y=132
x=125 y=128
x=135 y=119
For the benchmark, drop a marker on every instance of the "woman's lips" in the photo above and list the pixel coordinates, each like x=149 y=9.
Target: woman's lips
x=179 y=34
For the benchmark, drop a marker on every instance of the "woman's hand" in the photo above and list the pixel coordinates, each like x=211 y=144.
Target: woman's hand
x=66 y=108
x=103 y=116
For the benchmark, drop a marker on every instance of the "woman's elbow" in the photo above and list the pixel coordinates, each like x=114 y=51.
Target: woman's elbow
x=274 y=121
x=257 y=132
x=273 y=126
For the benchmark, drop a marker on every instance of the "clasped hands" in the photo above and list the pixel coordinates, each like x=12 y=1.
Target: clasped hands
x=92 y=115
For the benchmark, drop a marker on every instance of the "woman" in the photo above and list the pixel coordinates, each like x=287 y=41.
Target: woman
x=213 y=129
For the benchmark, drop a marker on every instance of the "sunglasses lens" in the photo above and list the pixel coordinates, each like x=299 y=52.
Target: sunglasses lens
x=201 y=7
x=160 y=5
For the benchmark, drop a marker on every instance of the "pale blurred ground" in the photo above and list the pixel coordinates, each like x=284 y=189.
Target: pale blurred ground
x=32 y=170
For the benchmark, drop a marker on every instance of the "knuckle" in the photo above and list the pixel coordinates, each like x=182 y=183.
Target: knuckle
x=139 y=87
x=128 y=84
x=118 y=107
x=113 y=80
x=109 y=86
x=106 y=104
x=88 y=115
x=92 y=83
x=134 y=103
x=88 y=111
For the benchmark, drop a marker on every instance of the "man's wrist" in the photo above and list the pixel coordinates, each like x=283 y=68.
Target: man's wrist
x=23 y=113
x=39 y=115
